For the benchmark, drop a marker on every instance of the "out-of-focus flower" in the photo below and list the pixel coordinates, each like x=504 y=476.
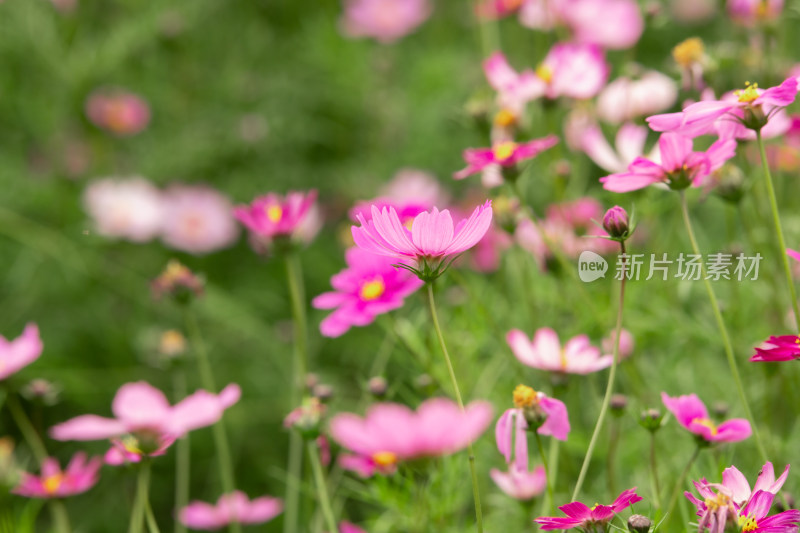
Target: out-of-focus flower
x=370 y=286
x=690 y=55
x=177 y=281
x=518 y=482
x=752 y=12
x=42 y=390
x=80 y=476
x=693 y=11
x=588 y=519
x=197 y=220
x=129 y=208
x=625 y=343
x=9 y=472
x=778 y=348
x=487 y=253
x=392 y=433
x=495 y=9
x=172 y=343
x=383 y=20
x=692 y=414
x=410 y=192
x=431 y=241
x=680 y=167
x=573 y=70
x=20 y=352
x=64 y=6
x=233 y=507
x=514 y=89
x=534 y=410
x=507 y=154
x=347 y=527
x=589 y=138
x=625 y=99
x=145 y=420
x=545 y=352
x=306 y=418
x=273 y=219
x=117 y=111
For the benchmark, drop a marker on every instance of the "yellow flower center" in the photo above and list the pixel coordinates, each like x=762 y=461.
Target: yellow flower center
x=174 y=271
x=748 y=523
x=131 y=444
x=372 y=289
x=525 y=396
x=749 y=94
x=385 y=459
x=52 y=483
x=688 y=52
x=705 y=422
x=512 y=4
x=563 y=358
x=504 y=150
x=718 y=501
x=762 y=10
x=544 y=73
x=274 y=213
x=505 y=118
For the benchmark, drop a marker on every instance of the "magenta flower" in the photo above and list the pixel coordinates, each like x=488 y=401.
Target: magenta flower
x=692 y=414
x=548 y=415
x=545 y=352
x=392 y=433
x=431 y=241
x=19 y=353
x=369 y=287
x=117 y=111
x=679 y=168
x=753 y=107
x=733 y=479
x=348 y=527
x=197 y=220
x=751 y=12
x=273 y=217
x=233 y=507
x=778 y=348
x=80 y=476
x=507 y=154
x=584 y=517
x=145 y=421
x=384 y=20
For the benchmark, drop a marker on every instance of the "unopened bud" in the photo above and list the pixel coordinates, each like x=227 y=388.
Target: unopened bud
x=651 y=419
x=616 y=223
x=377 y=386
x=307 y=418
x=171 y=344
x=322 y=391
x=424 y=382
x=639 y=524
x=720 y=409
x=178 y=282
x=43 y=391
x=618 y=404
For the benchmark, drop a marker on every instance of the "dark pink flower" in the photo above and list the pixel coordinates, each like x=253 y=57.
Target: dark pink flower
x=692 y=414
x=233 y=507
x=80 y=476
x=506 y=154
x=120 y=112
x=19 y=353
x=582 y=516
x=272 y=216
x=778 y=348
x=348 y=527
x=751 y=12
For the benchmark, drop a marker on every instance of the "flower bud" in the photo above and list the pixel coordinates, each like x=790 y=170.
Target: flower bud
x=639 y=524
x=177 y=281
x=377 y=386
x=720 y=409
x=618 y=404
x=651 y=420
x=616 y=223
x=307 y=418
x=322 y=391
x=43 y=391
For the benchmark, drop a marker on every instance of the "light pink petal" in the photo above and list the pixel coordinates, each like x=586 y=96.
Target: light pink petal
x=557 y=423
x=674 y=149
x=780 y=96
x=720 y=152
x=734 y=480
x=140 y=404
x=472 y=230
x=88 y=427
x=201 y=515
x=547 y=348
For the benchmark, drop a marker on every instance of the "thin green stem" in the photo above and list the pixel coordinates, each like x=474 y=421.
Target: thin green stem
x=60 y=516
x=654 y=472
x=776 y=219
x=28 y=432
x=475 y=488
x=152 y=525
x=294 y=276
x=182 y=454
x=609 y=388
x=142 y=486
x=550 y=481
x=679 y=484
x=726 y=340
x=322 y=488
x=225 y=463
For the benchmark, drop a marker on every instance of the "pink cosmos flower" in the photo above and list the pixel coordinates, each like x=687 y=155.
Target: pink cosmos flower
x=778 y=348
x=548 y=413
x=506 y=154
x=496 y=9
x=20 y=352
x=347 y=527
x=584 y=517
x=753 y=107
x=680 y=167
x=233 y=507
x=733 y=479
x=117 y=111
x=545 y=352
x=519 y=483
x=487 y=253
x=625 y=99
x=131 y=208
x=751 y=12
x=273 y=217
x=145 y=421
x=625 y=343
x=585 y=135
x=369 y=287
x=391 y=433
x=692 y=414
x=384 y=20
x=573 y=70
x=514 y=89
x=432 y=239
x=80 y=476
x=198 y=219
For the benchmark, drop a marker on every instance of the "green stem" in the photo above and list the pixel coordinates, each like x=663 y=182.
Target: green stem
x=609 y=388
x=60 y=516
x=322 y=489
x=654 y=472
x=142 y=487
x=152 y=525
x=294 y=276
x=776 y=219
x=677 y=490
x=726 y=341
x=225 y=463
x=182 y=454
x=475 y=488
x=550 y=481
x=28 y=432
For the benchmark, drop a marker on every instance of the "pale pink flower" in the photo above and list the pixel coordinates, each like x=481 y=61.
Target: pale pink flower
x=131 y=209
x=384 y=20
x=410 y=192
x=370 y=286
x=432 y=239
x=629 y=144
x=514 y=89
x=733 y=479
x=272 y=217
x=118 y=111
x=233 y=507
x=751 y=12
x=392 y=433
x=198 y=219
x=20 y=352
x=520 y=483
x=545 y=352
x=680 y=167
x=549 y=414
x=626 y=343
x=505 y=153
x=80 y=476
x=487 y=253
x=595 y=518
x=626 y=99
x=692 y=414
x=145 y=421
x=573 y=70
